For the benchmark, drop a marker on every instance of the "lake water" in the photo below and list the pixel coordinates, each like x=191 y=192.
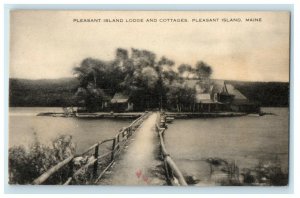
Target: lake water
x=246 y=140
x=23 y=123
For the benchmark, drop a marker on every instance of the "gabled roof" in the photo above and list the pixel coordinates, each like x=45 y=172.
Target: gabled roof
x=119 y=98
x=233 y=91
x=219 y=86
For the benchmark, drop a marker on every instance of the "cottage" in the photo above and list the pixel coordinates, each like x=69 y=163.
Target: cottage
x=121 y=102
x=203 y=99
x=204 y=103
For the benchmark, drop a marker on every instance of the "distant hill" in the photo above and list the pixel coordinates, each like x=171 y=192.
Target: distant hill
x=59 y=92
x=268 y=94
x=45 y=92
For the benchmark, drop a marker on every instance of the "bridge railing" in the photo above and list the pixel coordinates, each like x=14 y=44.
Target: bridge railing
x=172 y=171
x=94 y=158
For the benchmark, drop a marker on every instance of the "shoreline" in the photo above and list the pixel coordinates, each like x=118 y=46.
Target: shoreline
x=127 y=115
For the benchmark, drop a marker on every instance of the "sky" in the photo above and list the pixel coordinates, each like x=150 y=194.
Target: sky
x=49 y=44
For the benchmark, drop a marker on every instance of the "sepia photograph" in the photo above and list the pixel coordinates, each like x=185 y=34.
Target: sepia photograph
x=149 y=98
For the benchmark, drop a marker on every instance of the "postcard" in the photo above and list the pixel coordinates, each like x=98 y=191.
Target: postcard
x=149 y=98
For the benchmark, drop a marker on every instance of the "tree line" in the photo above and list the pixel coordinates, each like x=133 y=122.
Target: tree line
x=60 y=92
x=150 y=82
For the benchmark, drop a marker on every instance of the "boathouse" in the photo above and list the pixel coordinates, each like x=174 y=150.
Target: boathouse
x=231 y=98
x=240 y=102
x=121 y=102
x=220 y=96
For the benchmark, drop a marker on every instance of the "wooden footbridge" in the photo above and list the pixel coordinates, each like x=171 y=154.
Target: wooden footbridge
x=136 y=155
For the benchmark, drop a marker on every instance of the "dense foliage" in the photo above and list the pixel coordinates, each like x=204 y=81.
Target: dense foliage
x=150 y=82
x=25 y=165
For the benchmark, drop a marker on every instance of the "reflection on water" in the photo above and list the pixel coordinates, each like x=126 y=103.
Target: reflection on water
x=23 y=122
x=245 y=141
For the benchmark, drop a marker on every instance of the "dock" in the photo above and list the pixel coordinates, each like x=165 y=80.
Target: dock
x=97 y=115
x=204 y=114
x=109 y=115
x=134 y=115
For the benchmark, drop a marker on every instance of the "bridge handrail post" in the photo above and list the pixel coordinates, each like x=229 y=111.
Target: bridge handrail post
x=129 y=131
x=122 y=133
x=96 y=154
x=113 y=149
x=71 y=168
x=167 y=170
x=118 y=141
